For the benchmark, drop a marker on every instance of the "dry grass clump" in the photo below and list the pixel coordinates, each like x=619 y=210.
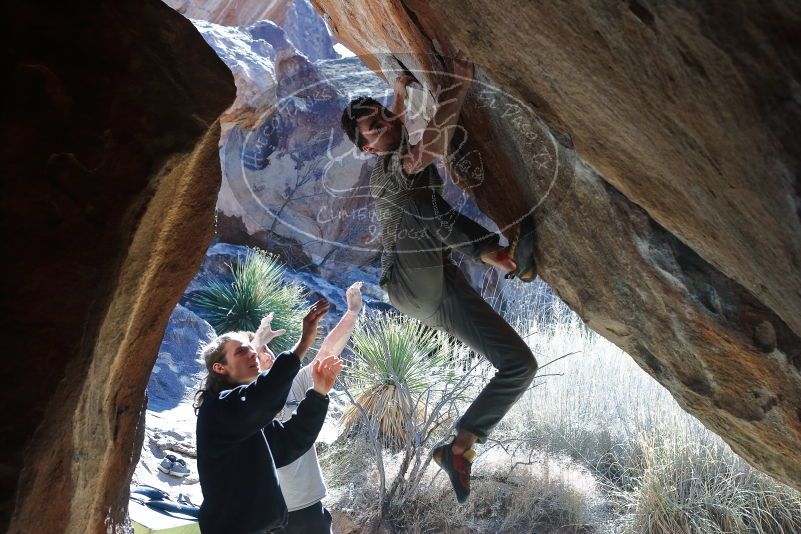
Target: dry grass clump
x=387 y=407
x=696 y=484
x=662 y=471
x=548 y=497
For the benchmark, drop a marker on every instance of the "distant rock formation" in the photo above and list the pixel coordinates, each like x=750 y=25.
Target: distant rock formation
x=303 y=26
x=307 y=32
x=280 y=192
x=293 y=183
x=178 y=368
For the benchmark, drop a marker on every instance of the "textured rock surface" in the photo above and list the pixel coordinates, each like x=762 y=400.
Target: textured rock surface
x=240 y=13
x=304 y=27
x=673 y=227
x=693 y=114
x=111 y=171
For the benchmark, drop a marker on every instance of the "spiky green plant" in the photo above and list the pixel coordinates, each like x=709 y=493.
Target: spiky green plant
x=257 y=289
x=396 y=359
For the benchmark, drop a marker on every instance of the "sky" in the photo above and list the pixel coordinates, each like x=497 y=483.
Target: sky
x=343 y=51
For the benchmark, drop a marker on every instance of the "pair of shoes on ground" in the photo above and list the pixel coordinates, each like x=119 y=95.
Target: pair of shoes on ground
x=173 y=466
x=457 y=467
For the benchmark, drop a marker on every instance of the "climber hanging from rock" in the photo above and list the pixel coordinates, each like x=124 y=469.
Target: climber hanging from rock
x=419 y=229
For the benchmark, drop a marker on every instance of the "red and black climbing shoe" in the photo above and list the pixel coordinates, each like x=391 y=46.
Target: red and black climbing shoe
x=457 y=466
x=521 y=250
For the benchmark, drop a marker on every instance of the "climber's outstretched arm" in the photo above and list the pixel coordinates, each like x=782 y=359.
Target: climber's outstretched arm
x=398 y=108
x=437 y=136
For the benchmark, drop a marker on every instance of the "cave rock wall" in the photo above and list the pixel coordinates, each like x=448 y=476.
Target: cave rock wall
x=110 y=131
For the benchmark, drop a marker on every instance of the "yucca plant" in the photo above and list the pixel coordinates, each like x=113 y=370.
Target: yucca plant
x=397 y=360
x=257 y=289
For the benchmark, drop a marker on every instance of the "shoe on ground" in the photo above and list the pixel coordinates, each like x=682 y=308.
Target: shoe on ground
x=179 y=468
x=167 y=464
x=457 y=467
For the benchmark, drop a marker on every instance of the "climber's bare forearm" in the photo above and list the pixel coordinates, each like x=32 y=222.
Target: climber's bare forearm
x=437 y=136
x=398 y=108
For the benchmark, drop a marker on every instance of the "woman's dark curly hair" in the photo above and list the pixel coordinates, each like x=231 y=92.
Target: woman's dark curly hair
x=214 y=352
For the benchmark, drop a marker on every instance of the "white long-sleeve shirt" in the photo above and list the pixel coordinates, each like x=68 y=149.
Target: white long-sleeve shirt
x=302 y=482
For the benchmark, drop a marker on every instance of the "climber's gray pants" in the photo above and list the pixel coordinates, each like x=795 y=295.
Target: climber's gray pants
x=427 y=286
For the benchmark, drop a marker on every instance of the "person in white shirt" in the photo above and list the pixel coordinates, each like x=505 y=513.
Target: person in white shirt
x=302 y=483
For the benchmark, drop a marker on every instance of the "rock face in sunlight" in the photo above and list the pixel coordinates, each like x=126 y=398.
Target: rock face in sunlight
x=304 y=27
x=659 y=146
x=110 y=139
x=282 y=186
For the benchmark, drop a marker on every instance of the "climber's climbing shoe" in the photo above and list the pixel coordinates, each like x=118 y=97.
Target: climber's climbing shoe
x=458 y=467
x=521 y=250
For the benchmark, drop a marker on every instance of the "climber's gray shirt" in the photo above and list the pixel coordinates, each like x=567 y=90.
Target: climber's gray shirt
x=393 y=189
